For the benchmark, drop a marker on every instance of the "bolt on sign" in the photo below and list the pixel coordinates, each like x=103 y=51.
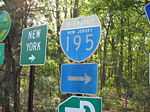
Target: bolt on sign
x=33 y=45
x=2 y=48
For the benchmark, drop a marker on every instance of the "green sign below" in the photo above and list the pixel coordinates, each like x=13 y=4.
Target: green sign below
x=2 y=50
x=81 y=104
x=5 y=24
x=33 y=45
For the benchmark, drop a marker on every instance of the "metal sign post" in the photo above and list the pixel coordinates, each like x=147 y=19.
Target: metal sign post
x=79 y=39
x=31 y=88
x=33 y=52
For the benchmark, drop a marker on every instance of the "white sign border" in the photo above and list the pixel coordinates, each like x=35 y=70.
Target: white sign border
x=93 y=50
x=79 y=92
x=100 y=98
x=45 y=45
x=146 y=11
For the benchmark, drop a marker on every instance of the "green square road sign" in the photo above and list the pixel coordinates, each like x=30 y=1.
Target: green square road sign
x=33 y=45
x=81 y=104
x=2 y=53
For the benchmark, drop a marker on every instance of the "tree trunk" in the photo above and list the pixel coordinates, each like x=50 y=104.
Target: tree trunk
x=76 y=9
x=12 y=47
x=129 y=57
x=57 y=17
x=119 y=78
x=8 y=67
x=103 y=77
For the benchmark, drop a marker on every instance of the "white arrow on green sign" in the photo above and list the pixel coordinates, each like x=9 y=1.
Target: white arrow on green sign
x=33 y=45
x=2 y=49
x=81 y=104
